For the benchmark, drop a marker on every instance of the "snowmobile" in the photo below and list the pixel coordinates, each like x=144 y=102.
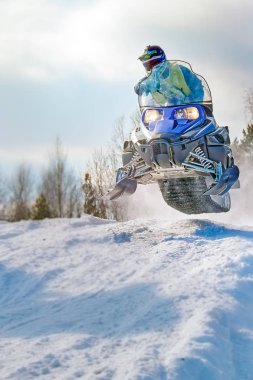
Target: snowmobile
x=179 y=145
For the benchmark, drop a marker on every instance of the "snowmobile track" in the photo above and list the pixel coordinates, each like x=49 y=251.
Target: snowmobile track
x=186 y=195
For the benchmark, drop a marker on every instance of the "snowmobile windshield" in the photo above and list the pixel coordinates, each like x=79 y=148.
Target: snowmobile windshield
x=173 y=83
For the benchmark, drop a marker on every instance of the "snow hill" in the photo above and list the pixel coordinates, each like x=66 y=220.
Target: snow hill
x=141 y=300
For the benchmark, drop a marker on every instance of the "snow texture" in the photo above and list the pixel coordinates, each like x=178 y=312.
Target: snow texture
x=147 y=299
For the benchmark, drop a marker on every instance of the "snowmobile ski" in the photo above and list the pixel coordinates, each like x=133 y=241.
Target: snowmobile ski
x=124 y=187
x=227 y=180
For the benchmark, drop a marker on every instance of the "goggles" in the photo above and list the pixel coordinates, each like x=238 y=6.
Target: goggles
x=148 y=55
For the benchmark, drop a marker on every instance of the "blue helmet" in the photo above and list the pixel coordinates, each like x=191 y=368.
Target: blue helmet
x=153 y=55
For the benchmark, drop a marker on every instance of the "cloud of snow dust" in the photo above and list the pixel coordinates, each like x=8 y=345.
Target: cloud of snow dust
x=148 y=202
x=241 y=212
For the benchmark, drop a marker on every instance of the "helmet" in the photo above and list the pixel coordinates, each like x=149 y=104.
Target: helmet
x=153 y=55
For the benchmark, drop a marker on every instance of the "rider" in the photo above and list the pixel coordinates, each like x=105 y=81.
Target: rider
x=168 y=82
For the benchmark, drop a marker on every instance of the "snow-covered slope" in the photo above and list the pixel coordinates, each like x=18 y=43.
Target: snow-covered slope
x=141 y=300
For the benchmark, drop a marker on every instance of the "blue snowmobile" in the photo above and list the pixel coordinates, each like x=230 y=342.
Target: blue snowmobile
x=179 y=145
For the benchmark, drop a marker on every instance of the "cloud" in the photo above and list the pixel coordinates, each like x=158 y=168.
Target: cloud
x=101 y=39
x=43 y=40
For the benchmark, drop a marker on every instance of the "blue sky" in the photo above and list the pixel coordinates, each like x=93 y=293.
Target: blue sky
x=68 y=68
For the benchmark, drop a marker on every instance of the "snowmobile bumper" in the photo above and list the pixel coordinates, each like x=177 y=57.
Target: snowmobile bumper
x=227 y=180
x=124 y=187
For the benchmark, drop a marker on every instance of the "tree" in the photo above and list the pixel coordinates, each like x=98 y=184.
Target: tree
x=93 y=204
x=3 y=197
x=74 y=199
x=102 y=169
x=89 y=196
x=98 y=182
x=136 y=118
x=247 y=140
x=41 y=209
x=243 y=149
x=248 y=101
x=20 y=190
x=59 y=185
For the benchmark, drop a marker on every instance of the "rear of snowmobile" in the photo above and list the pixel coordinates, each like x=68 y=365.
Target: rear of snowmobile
x=179 y=145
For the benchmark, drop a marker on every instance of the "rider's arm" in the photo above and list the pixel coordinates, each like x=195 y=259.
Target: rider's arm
x=194 y=84
x=147 y=85
x=138 y=88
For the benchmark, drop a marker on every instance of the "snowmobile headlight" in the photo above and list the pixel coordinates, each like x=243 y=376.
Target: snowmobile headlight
x=190 y=113
x=152 y=115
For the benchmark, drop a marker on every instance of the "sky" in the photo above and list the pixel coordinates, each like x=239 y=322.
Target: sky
x=67 y=68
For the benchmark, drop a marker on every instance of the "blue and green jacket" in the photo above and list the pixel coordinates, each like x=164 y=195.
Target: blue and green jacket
x=170 y=83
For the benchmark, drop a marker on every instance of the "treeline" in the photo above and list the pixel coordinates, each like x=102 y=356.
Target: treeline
x=56 y=192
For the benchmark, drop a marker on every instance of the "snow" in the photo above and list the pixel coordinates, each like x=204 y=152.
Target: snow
x=146 y=299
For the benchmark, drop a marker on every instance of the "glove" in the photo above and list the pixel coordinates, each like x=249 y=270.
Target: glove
x=137 y=89
x=140 y=87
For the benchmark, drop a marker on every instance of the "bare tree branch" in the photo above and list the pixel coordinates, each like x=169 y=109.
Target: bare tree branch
x=59 y=184
x=20 y=193
x=248 y=100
